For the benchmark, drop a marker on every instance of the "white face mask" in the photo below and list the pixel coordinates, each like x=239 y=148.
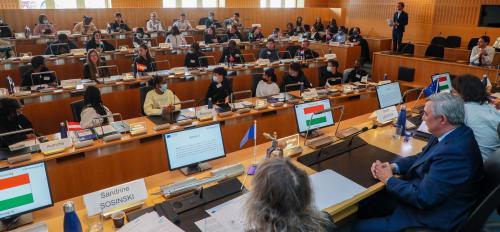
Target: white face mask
x=329 y=69
x=164 y=87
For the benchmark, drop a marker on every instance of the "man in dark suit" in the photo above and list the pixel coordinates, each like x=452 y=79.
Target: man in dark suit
x=437 y=187
x=399 y=21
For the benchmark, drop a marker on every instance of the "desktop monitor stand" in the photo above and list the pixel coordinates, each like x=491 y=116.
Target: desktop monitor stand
x=11 y=223
x=312 y=134
x=195 y=168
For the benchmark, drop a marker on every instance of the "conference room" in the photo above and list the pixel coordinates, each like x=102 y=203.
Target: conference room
x=254 y=115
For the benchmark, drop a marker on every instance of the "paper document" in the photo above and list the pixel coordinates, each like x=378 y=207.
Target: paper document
x=231 y=214
x=22 y=144
x=390 y=22
x=241 y=105
x=331 y=188
x=209 y=224
x=108 y=129
x=150 y=222
x=423 y=128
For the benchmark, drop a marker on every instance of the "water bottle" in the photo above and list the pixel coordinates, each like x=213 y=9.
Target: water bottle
x=209 y=103
x=63 y=131
x=301 y=87
x=71 y=220
x=485 y=80
x=385 y=76
x=11 y=86
x=27 y=31
x=401 y=123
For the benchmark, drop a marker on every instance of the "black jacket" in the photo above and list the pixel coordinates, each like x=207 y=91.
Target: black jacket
x=271 y=54
x=319 y=26
x=253 y=38
x=228 y=53
x=324 y=75
x=103 y=72
x=38 y=79
x=402 y=20
x=356 y=74
x=235 y=35
x=5 y=31
x=287 y=79
x=219 y=92
x=307 y=53
x=192 y=60
x=59 y=49
x=355 y=39
x=208 y=38
x=116 y=26
x=140 y=61
x=92 y=44
x=19 y=123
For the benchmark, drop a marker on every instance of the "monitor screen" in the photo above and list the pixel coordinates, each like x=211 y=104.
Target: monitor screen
x=193 y=146
x=24 y=189
x=389 y=95
x=443 y=82
x=304 y=111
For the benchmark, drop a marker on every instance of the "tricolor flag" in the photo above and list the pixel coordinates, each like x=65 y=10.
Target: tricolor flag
x=443 y=83
x=141 y=67
x=15 y=192
x=251 y=134
x=312 y=110
x=74 y=126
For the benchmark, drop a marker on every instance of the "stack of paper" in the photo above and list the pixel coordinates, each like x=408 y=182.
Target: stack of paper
x=150 y=222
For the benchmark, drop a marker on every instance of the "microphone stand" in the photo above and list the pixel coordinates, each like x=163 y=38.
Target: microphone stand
x=288 y=86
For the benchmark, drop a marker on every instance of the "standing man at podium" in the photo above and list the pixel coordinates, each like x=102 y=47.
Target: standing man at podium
x=398 y=23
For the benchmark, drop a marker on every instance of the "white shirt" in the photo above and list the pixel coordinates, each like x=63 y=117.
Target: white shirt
x=183 y=24
x=154 y=25
x=175 y=40
x=89 y=117
x=487 y=59
x=483 y=120
x=264 y=89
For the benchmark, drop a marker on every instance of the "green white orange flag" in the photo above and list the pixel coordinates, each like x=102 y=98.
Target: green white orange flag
x=15 y=191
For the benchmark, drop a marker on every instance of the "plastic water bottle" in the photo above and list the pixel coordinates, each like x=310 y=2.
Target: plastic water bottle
x=385 y=76
x=27 y=31
x=63 y=130
x=71 y=221
x=484 y=80
x=301 y=87
x=11 y=86
x=401 y=123
x=209 y=103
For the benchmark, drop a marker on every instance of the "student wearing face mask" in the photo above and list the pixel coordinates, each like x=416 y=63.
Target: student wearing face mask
x=5 y=31
x=175 y=38
x=210 y=37
x=294 y=75
x=192 y=57
x=160 y=100
x=12 y=119
x=154 y=24
x=330 y=71
x=357 y=73
x=98 y=44
x=141 y=37
x=86 y=26
x=220 y=89
x=90 y=68
x=355 y=38
x=44 y=27
x=255 y=34
x=119 y=25
x=267 y=86
x=211 y=21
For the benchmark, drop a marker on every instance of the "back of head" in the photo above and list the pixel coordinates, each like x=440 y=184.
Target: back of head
x=296 y=67
x=221 y=71
x=281 y=199
x=450 y=106
x=8 y=108
x=37 y=61
x=62 y=38
x=92 y=96
x=470 y=88
x=175 y=30
x=195 y=46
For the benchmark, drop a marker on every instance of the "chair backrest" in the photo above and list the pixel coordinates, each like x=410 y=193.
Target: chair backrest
x=293 y=50
x=24 y=69
x=453 y=41
x=406 y=74
x=142 y=93
x=435 y=51
x=255 y=81
x=202 y=21
x=407 y=48
x=76 y=109
x=472 y=43
x=438 y=40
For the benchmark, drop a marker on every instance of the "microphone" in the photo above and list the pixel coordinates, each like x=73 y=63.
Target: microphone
x=268 y=136
x=403 y=100
x=365 y=129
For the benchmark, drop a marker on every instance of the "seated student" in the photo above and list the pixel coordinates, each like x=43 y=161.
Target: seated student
x=160 y=100
x=94 y=109
x=183 y=24
x=90 y=68
x=6 y=49
x=341 y=35
x=192 y=57
x=210 y=37
x=267 y=86
x=270 y=52
x=332 y=27
x=357 y=73
x=480 y=116
x=61 y=46
x=290 y=31
x=315 y=35
x=355 y=38
x=220 y=89
x=436 y=188
x=144 y=62
x=175 y=38
x=318 y=25
x=5 y=31
x=275 y=35
x=305 y=52
x=86 y=26
x=307 y=32
x=12 y=119
x=330 y=71
x=299 y=28
x=141 y=37
x=255 y=34
x=233 y=33
x=294 y=75
x=231 y=54
x=153 y=23
x=282 y=200
x=211 y=21
x=98 y=44
x=119 y=25
x=38 y=66
x=44 y=27
x=482 y=54
x=233 y=21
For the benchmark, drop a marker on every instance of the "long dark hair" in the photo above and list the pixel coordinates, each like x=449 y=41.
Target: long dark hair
x=148 y=55
x=93 y=66
x=470 y=88
x=175 y=31
x=92 y=98
x=270 y=72
x=8 y=109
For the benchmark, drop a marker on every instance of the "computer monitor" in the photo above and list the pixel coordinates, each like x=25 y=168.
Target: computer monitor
x=303 y=113
x=23 y=190
x=189 y=148
x=389 y=95
x=443 y=82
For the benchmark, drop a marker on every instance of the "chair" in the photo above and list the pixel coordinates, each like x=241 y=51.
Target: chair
x=435 y=51
x=438 y=40
x=76 y=109
x=292 y=50
x=453 y=41
x=202 y=21
x=365 y=52
x=23 y=69
x=406 y=74
x=472 y=43
x=256 y=77
x=142 y=92
x=407 y=48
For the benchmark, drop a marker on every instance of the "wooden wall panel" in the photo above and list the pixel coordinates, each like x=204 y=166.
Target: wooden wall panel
x=137 y=4
x=9 y=4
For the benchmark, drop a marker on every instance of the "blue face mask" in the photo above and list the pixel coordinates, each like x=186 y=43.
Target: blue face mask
x=164 y=88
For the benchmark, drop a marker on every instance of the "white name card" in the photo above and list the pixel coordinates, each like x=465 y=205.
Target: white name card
x=111 y=198
x=387 y=114
x=55 y=146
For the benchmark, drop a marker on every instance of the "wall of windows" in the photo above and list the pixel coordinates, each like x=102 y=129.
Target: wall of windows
x=64 y=4
x=194 y=3
x=282 y=3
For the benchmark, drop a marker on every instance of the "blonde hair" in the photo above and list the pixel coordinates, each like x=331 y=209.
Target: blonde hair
x=281 y=200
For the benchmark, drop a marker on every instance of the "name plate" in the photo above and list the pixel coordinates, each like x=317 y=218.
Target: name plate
x=7 y=66
x=60 y=61
x=387 y=114
x=121 y=36
x=154 y=35
x=106 y=200
x=55 y=146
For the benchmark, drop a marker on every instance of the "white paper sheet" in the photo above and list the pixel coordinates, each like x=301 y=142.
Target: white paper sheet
x=209 y=224
x=231 y=214
x=150 y=222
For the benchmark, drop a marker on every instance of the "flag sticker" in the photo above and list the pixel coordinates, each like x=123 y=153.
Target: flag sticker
x=313 y=109
x=15 y=192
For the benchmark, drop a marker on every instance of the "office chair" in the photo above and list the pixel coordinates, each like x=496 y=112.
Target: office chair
x=142 y=93
x=472 y=43
x=407 y=48
x=438 y=40
x=406 y=74
x=453 y=41
x=23 y=69
x=202 y=21
x=434 y=51
x=76 y=109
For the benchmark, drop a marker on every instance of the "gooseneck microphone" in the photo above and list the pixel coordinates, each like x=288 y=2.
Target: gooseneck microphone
x=365 y=129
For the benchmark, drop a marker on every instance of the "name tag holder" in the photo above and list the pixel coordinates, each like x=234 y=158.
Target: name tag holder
x=386 y=115
x=55 y=146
